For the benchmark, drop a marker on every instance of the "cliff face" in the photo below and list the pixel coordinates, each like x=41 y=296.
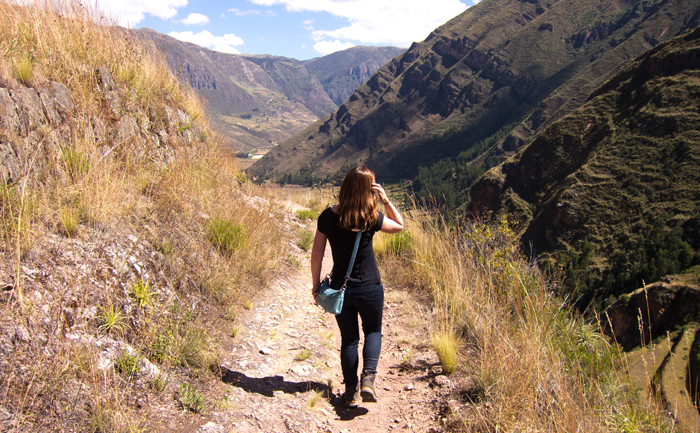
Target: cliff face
x=619 y=174
x=499 y=63
x=39 y=123
x=340 y=73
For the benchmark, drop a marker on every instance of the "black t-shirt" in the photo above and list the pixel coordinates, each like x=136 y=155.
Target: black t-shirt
x=364 y=270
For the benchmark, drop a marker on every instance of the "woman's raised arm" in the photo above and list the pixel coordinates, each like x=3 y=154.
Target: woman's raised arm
x=393 y=223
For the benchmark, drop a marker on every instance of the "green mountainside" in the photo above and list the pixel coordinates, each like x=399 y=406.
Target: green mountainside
x=503 y=67
x=340 y=73
x=612 y=191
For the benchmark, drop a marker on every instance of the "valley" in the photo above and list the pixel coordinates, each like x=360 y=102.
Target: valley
x=154 y=275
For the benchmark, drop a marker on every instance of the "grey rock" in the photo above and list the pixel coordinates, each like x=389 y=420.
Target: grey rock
x=441 y=380
x=9 y=163
x=62 y=99
x=105 y=78
x=29 y=109
x=8 y=114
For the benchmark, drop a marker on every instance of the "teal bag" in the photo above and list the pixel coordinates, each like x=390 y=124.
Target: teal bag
x=329 y=298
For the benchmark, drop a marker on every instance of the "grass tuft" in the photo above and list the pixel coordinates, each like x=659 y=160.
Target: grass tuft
x=127 y=365
x=113 y=320
x=227 y=236
x=24 y=69
x=142 y=293
x=306 y=214
x=446 y=343
x=303 y=355
x=190 y=399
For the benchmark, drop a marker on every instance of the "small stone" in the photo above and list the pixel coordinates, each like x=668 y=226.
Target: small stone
x=436 y=369
x=441 y=380
x=265 y=351
x=409 y=387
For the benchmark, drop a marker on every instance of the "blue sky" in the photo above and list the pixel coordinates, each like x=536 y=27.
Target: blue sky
x=301 y=29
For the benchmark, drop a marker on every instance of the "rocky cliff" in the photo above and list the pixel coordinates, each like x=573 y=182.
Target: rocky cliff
x=501 y=62
x=340 y=73
x=39 y=124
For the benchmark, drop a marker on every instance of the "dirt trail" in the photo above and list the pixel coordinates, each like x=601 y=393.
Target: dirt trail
x=284 y=362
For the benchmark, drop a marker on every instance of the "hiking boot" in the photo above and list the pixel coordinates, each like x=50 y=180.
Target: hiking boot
x=352 y=398
x=367 y=388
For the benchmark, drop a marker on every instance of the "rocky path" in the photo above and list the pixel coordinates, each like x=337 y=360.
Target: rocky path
x=283 y=374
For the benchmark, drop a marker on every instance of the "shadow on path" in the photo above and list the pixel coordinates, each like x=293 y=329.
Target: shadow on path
x=346 y=413
x=268 y=385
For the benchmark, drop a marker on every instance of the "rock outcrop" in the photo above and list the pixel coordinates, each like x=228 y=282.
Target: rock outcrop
x=39 y=124
x=498 y=63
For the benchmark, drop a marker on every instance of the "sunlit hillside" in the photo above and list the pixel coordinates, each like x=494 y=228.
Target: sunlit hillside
x=134 y=254
x=126 y=231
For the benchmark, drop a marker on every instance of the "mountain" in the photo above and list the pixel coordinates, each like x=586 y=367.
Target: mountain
x=503 y=67
x=253 y=100
x=257 y=100
x=340 y=73
x=611 y=192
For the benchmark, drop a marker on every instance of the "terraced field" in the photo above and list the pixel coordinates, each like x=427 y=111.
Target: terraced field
x=669 y=367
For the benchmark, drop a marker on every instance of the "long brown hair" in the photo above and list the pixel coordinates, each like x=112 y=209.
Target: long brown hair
x=357 y=205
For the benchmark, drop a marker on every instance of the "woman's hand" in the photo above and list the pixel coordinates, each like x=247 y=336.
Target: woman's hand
x=381 y=193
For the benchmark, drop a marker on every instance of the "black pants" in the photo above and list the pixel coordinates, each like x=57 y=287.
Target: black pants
x=368 y=302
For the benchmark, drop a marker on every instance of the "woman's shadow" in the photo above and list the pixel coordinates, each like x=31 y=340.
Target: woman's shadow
x=268 y=385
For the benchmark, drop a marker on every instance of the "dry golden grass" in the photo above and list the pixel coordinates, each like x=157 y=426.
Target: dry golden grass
x=539 y=367
x=80 y=226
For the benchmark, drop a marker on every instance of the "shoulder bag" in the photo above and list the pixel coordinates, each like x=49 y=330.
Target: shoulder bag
x=330 y=299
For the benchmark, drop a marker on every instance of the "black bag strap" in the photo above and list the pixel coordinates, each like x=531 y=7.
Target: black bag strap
x=352 y=259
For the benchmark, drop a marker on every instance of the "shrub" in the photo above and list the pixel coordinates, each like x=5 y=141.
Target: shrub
x=306 y=239
x=226 y=236
x=127 y=365
x=112 y=319
x=190 y=399
x=306 y=214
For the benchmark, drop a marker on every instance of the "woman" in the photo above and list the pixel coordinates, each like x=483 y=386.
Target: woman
x=339 y=224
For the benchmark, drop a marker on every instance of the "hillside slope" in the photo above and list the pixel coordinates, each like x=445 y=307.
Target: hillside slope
x=253 y=100
x=340 y=73
x=615 y=185
x=501 y=62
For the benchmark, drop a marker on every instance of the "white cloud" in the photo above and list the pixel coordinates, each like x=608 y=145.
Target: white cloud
x=195 y=19
x=130 y=12
x=307 y=24
x=327 y=47
x=242 y=13
x=224 y=44
x=388 y=22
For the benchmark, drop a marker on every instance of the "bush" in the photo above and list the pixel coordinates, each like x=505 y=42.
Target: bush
x=190 y=399
x=306 y=214
x=226 y=236
x=306 y=239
